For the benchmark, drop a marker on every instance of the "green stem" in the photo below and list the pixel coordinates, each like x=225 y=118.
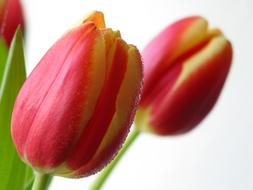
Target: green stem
x=41 y=181
x=107 y=171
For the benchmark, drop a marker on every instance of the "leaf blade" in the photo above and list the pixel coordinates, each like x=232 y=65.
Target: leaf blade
x=3 y=57
x=12 y=169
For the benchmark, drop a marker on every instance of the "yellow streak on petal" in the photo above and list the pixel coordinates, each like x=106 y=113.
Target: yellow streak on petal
x=96 y=77
x=212 y=49
x=1 y=5
x=110 y=36
x=125 y=99
x=196 y=31
x=195 y=34
x=214 y=32
x=97 y=17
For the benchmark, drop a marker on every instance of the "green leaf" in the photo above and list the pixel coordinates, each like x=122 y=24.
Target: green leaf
x=14 y=173
x=3 y=57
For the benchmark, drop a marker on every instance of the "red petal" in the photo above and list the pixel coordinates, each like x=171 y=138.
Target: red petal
x=167 y=47
x=94 y=132
x=11 y=17
x=196 y=90
x=127 y=100
x=58 y=98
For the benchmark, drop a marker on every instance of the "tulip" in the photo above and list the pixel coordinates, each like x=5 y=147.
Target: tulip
x=74 y=111
x=185 y=67
x=11 y=16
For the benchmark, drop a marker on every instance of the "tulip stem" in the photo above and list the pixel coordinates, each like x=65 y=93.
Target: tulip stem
x=41 y=181
x=103 y=176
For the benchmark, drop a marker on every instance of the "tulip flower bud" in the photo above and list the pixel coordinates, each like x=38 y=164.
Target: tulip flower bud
x=11 y=16
x=185 y=67
x=75 y=109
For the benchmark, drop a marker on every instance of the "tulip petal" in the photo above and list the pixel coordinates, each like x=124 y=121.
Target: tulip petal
x=36 y=87
x=171 y=44
x=11 y=17
x=195 y=90
x=104 y=111
x=123 y=116
x=67 y=106
x=97 y=18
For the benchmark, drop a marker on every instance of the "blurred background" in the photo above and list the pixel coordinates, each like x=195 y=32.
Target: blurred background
x=217 y=155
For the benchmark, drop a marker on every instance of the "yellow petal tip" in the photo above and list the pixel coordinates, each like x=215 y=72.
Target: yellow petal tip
x=97 y=18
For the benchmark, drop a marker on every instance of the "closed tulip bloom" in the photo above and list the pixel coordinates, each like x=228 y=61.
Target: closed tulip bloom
x=185 y=67
x=75 y=109
x=11 y=16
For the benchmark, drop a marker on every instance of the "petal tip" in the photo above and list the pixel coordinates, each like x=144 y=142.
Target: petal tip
x=97 y=17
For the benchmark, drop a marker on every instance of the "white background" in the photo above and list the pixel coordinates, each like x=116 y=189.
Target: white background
x=218 y=155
